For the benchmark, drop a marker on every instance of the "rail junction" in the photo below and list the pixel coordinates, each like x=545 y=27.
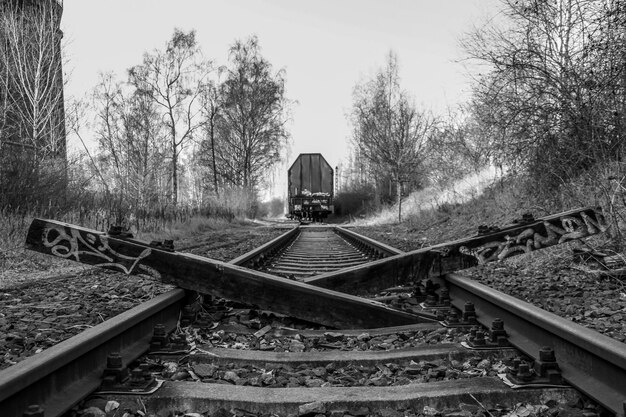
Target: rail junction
x=331 y=279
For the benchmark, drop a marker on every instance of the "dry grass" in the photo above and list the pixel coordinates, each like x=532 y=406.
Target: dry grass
x=431 y=199
x=194 y=226
x=17 y=264
x=430 y=217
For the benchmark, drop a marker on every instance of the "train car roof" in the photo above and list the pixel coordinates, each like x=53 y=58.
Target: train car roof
x=311 y=153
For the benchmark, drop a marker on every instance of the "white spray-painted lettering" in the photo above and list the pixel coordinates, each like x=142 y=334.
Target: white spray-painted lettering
x=74 y=245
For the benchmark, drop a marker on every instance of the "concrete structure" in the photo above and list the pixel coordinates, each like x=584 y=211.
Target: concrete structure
x=32 y=115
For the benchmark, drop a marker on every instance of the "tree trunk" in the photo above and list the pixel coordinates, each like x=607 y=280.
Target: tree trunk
x=212 y=133
x=399 y=196
x=174 y=171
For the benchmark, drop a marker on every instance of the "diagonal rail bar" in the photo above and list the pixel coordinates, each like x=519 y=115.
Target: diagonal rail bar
x=413 y=266
x=374 y=276
x=523 y=237
x=212 y=277
x=320 y=301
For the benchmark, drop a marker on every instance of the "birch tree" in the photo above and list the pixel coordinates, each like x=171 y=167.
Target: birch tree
x=211 y=104
x=132 y=145
x=388 y=130
x=173 y=79
x=33 y=78
x=254 y=113
x=32 y=126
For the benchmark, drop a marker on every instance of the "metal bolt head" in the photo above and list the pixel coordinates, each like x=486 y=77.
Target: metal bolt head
x=479 y=338
x=114 y=360
x=546 y=354
x=523 y=372
x=33 y=411
x=497 y=324
x=159 y=330
x=453 y=317
x=469 y=307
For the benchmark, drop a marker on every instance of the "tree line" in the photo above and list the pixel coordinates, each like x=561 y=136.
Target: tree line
x=177 y=131
x=182 y=129
x=548 y=107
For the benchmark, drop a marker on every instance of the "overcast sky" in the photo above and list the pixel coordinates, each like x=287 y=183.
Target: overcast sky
x=325 y=47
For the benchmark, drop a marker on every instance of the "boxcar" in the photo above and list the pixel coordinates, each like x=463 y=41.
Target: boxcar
x=311 y=185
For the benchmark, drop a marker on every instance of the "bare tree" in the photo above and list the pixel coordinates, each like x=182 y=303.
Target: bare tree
x=211 y=103
x=553 y=97
x=33 y=69
x=173 y=79
x=251 y=128
x=388 y=130
x=32 y=128
x=456 y=148
x=132 y=145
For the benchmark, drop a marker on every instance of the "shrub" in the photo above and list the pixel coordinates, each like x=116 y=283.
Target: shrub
x=355 y=202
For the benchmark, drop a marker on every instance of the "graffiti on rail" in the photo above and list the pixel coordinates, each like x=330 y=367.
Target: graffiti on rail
x=70 y=243
x=563 y=229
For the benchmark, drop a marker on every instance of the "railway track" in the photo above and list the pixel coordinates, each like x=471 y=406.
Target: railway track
x=246 y=358
x=313 y=250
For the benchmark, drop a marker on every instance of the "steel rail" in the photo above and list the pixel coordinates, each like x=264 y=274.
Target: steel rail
x=59 y=377
x=275 y=244
x=209 y=276
x=247 y=259
x=593 y=363
x=379 y=246
x=289 y=259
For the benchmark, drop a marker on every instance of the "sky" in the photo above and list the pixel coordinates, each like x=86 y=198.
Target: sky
x=326 y=47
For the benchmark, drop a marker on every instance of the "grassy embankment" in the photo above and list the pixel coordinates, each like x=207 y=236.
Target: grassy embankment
x=434 y=215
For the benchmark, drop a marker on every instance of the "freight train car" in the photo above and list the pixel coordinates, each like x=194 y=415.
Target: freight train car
x=310 y=194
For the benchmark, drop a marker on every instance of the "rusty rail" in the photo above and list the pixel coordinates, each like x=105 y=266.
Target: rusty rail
x=382 y=249
x=62 y=375
x=593 y=363
x=208 y=276
x=580 y=351
x=253 y=257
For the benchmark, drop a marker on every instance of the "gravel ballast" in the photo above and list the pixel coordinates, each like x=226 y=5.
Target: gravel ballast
x=48 y=303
